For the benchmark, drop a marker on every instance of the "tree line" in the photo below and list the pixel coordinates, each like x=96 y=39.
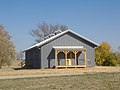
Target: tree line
x=104 y=55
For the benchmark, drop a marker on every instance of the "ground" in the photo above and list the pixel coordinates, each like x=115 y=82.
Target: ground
x=16 y=64
x=97 y=78
x=97 y=81
x=12 y=72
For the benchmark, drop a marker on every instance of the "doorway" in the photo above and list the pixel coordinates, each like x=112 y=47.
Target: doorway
x=68 y=62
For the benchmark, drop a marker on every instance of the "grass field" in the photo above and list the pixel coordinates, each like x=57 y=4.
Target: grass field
x=16 y=64
x=103 y=78
x=12 y=72
x=98 y=81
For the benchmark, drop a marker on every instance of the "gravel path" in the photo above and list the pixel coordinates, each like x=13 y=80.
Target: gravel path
x=29 y=73
x=40 y=75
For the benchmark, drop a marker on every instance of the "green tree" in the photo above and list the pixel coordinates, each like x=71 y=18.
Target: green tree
x=7 y=49
x=44 y=29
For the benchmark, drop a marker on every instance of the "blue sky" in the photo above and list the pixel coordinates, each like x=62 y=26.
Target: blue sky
x=98 y=20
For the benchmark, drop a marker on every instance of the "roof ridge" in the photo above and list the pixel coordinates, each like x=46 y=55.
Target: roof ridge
x=59 y=34
x=36 y=45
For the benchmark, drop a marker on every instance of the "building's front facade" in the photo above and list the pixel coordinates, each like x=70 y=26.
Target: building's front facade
x=66 y=49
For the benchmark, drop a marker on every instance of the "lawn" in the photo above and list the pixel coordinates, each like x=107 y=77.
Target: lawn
x=97 y=81
x=12 y=72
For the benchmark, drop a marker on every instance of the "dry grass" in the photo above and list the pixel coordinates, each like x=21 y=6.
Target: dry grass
x=14 y=64
x=98 y=81
x=12 y=72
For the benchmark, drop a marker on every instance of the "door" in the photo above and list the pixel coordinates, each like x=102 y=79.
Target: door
x=68 y=62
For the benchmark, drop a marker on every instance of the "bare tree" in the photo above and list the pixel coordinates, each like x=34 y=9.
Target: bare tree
x=20 y=55
x=44 y=29
x=119 y=49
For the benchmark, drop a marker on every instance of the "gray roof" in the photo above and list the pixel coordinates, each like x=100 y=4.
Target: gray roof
x=60 y=34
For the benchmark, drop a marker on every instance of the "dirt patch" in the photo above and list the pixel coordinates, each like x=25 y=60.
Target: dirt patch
x=12 y=72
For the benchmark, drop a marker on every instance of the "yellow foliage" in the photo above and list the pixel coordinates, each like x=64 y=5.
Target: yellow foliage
x=102 y=52
x=7 y=49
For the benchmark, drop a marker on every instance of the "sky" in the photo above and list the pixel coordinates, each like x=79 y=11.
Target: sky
x=98 y=20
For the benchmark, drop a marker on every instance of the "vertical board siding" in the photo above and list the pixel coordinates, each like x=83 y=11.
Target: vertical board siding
x=33 y=58
x=48 y=54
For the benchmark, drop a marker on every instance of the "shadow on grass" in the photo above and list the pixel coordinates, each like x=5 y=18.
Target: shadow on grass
x=22 y=68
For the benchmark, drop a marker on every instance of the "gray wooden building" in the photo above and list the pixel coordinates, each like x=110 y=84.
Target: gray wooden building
x=62 y=49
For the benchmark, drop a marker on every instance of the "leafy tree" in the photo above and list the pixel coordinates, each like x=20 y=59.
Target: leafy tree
x=111 y=60
x=44 y=29
x=104 y=56
x=102 y=53
x=7 y=49
x=118 y=56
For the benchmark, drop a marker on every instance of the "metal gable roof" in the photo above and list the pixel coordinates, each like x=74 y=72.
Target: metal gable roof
x=60 y=34
x=96 y=44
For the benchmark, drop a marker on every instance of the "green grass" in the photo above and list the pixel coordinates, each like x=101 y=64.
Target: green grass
x=98 y=81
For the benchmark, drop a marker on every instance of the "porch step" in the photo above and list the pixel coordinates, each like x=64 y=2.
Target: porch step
x=72 y=66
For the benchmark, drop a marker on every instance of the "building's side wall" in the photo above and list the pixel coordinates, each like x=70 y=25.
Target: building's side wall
x=32 y=58
x=48 y=54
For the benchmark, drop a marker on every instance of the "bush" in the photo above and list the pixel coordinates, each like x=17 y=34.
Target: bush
x=110 y=62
